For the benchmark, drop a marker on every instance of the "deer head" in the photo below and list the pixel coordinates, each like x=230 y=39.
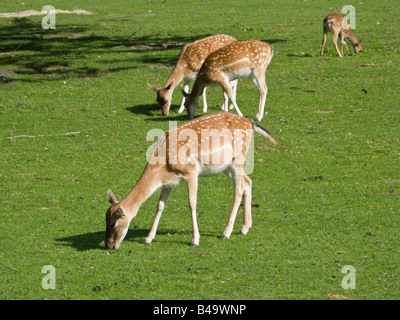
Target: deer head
x=358 y=47
x=190 y=105
x=164 y=96
x=116 y=223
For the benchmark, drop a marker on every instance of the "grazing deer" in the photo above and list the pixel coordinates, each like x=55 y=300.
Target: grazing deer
x=339 y=26
x=236 y=60
x=188 y=65
x=185 y=153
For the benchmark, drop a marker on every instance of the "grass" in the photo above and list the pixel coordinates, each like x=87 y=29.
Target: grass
x=326 y=196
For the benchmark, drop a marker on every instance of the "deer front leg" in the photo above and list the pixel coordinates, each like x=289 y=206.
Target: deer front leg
x=225 y=105
x=166 y=191
x=192 y=191
x=343 y=42
x=341 y=45
x=347 y=48
x=334 y=41
x=204 y=101
x=247 y=205
x=227 y=89
x=186 y=86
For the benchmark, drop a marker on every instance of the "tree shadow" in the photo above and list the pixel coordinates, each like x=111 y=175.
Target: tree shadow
x=73 y=50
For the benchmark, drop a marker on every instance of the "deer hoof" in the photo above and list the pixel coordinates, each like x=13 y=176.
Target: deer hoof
x=244 y=230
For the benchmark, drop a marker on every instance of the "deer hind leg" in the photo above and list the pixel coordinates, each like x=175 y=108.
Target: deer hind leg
x=238 y=181
x=234 y=91
x=186 y=86
x=228 y=91
x=258 y=78
x=166 y=191
x=247 y=205
x=342 y=42
x=192 y=191
x=323 y=43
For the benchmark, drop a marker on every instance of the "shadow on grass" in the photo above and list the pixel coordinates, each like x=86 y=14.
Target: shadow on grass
x=146 y=109
x=73 y=50
x=274 y=40
x=300 y=55
x=95 y=240
x=154 y=113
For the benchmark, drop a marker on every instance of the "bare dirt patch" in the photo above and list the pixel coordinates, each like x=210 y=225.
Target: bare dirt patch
x=28 y=13
x=6 y=76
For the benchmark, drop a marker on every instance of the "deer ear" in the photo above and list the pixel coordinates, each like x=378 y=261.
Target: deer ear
x=119 y=213
x=170 y=85
x=111 y=197
x=153 y=87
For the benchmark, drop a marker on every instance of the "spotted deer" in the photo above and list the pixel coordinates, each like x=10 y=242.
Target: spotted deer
x=188 y=65
x=236 y=60
x=339 y=26
x=205 y=146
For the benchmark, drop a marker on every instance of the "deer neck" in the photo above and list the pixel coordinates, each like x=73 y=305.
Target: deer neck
x=147 y=184
x=175 y=77
x=198 y=88
x=351 y=36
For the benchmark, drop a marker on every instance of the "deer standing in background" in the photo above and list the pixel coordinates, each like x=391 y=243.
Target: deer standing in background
x=236 y=60
x=339 y=26
x=188 y=65
x=185 y=153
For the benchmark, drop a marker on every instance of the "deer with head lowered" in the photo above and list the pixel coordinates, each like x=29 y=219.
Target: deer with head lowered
x=187 y=67
x=236 y=60
x=339 y=26
x=205 y=146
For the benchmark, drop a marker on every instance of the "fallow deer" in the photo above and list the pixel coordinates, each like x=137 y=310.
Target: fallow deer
x=339 y=26
x=236 y=60
x=206 y=146
x=188 y=65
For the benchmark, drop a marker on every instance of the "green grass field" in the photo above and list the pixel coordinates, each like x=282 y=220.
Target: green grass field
x=326 y=196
